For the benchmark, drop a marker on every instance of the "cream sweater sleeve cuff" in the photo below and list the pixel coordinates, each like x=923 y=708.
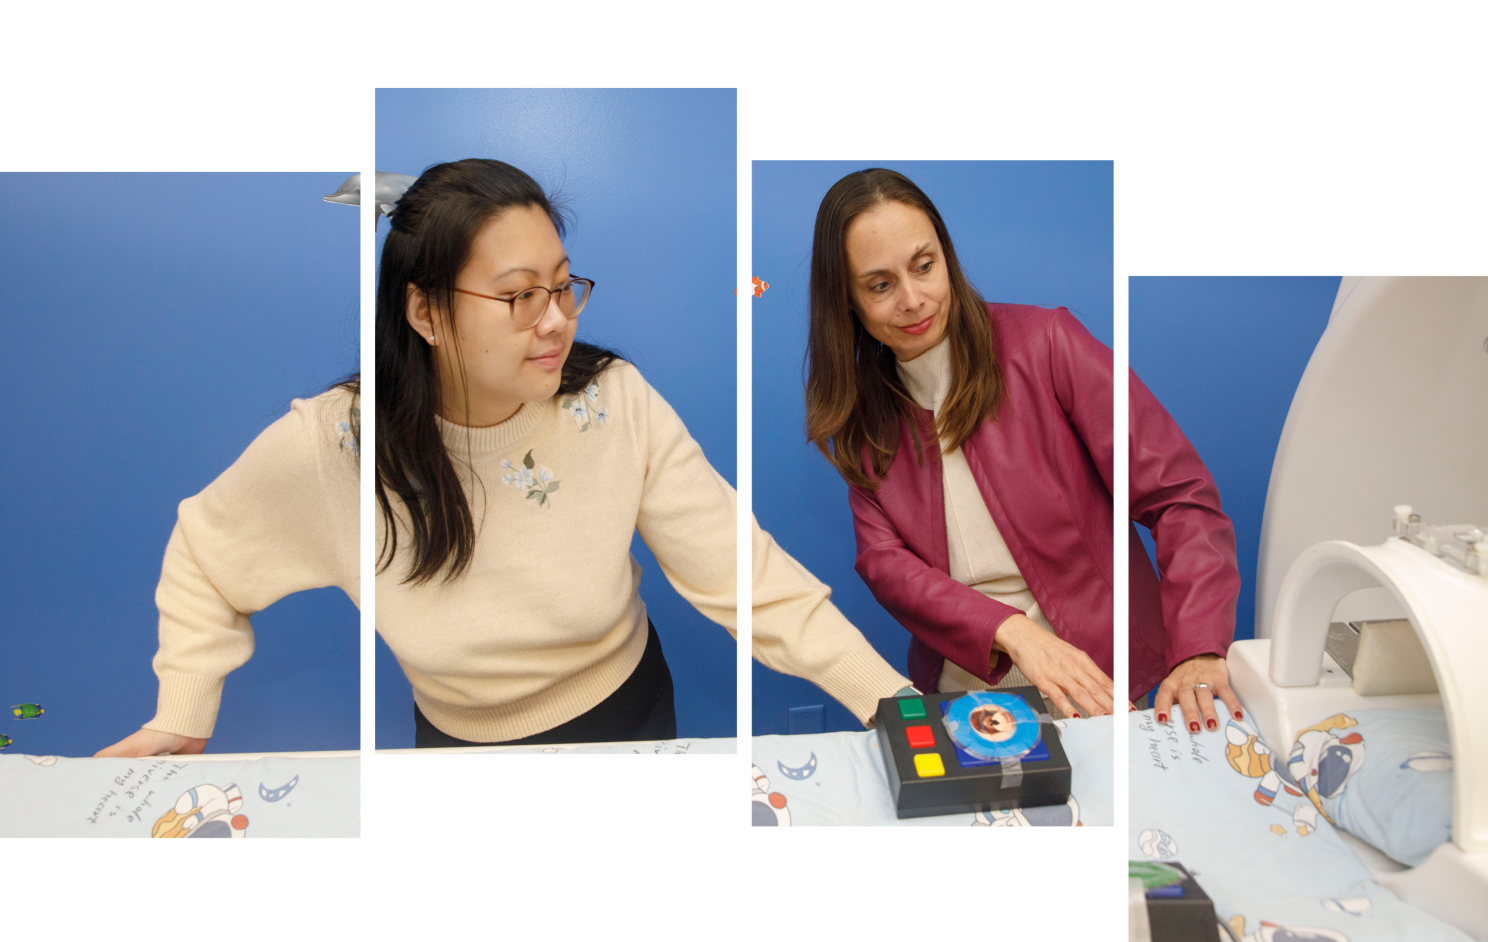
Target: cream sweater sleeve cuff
x=188 y=705
x=798 y=631
x=859 y=679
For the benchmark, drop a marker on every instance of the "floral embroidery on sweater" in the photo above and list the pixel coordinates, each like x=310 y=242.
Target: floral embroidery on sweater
x=536 y=480
x=582 y=407
x=348 y=437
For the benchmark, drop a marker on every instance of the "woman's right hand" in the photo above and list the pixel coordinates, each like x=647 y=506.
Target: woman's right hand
x=1061 y=671
x=152 y=742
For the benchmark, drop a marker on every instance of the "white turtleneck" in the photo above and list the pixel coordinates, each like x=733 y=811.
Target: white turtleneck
x=979 y=556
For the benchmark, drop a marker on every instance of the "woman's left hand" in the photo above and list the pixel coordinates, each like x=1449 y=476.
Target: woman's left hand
x=1197 y=701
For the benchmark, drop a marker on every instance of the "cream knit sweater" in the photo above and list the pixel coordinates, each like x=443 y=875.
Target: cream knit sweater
x=798 y=631
x=282 y=519
x=548 y=619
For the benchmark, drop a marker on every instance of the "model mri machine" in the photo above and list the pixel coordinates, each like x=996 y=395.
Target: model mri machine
x=1358 y=590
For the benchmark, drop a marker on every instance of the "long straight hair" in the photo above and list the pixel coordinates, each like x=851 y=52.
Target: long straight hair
x=855 y=400
x=433 y=227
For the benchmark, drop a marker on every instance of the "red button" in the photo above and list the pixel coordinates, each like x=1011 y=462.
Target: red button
x=920 y=737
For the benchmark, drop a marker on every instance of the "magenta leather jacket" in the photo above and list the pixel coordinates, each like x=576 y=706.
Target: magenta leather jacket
x=1044 y=468
x=1171 y=493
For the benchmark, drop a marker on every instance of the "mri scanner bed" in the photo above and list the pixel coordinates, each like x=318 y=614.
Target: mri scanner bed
x=313 y=794
x=1363 y=694
x=1274 y=866
x=1368 y=822
x=839 y=778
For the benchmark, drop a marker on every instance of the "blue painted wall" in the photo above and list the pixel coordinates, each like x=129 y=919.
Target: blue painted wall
x=1224 y=357
x=155 y=324
x=650 y=177
x=1025 y=232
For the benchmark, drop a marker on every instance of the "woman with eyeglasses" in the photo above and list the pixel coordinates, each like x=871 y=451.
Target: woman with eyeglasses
x=515 y=463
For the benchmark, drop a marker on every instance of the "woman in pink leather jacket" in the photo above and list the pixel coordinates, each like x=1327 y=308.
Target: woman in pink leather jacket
x=978 y=442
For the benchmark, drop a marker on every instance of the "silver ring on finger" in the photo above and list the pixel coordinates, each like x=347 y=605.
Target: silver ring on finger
x=1205 y=686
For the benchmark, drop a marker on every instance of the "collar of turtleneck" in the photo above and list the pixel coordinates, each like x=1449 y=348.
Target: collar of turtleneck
x=928 y=376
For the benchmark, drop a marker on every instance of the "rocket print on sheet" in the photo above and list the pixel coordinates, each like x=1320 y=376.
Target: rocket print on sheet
x=769 y=807
x=1320 y=764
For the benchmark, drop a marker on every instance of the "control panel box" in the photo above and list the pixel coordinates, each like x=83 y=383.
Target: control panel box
x=952 y=753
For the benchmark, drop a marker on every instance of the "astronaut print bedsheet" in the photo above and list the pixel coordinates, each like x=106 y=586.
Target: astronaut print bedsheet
x=1260 y=847
x=274 y=796
x=839 y=778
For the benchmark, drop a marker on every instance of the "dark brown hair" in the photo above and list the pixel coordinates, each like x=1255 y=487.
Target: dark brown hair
x=855 y=400
x=433 y=227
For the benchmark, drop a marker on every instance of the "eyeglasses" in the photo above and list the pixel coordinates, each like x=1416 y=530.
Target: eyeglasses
x=528 y=306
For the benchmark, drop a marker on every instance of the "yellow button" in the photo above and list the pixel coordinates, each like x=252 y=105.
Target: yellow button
x=928 y=764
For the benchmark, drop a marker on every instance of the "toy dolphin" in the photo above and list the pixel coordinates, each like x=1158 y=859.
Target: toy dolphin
x=389 y=189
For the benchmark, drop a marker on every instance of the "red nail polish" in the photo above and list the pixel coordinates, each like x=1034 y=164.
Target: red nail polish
x=1075 y=715
x=1239 y=715
x=1193 y=727
x=1211 y=724
x=1162 y=717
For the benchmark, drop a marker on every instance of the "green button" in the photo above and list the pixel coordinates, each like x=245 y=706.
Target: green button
x=912 y=708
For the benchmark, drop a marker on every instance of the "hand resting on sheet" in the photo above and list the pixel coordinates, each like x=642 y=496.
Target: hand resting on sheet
x=1197 y=704
x=152 y=742
x=1061 y=671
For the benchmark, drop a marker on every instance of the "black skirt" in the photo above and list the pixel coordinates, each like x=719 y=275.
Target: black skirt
x=641 y=709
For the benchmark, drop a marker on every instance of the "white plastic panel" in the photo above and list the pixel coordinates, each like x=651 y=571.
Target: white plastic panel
x=1392 y=409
